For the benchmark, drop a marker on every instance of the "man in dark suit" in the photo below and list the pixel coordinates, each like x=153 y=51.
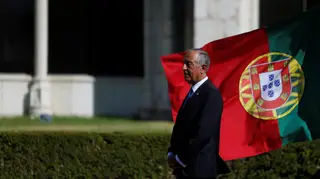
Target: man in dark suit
x=194 y=145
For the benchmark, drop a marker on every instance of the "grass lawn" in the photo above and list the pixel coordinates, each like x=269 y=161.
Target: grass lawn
x=84 y=124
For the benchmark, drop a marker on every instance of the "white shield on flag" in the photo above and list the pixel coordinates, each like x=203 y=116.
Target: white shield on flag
x=270 y=85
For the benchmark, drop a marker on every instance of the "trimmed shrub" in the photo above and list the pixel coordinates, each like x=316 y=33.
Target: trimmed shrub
x=294 y=161
x=92 y=155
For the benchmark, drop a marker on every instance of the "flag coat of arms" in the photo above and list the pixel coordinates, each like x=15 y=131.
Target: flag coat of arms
x=269 y=84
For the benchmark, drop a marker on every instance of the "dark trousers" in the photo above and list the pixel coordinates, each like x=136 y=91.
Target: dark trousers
x=185 y=177
x=316 y=175
x=180 y=175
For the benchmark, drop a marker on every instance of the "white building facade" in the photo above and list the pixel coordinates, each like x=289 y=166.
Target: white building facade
x=168 y=26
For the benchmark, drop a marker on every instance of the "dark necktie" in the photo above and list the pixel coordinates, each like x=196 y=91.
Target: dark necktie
x=189 y=95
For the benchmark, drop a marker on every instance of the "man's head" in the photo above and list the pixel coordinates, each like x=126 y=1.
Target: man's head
x=196 y=65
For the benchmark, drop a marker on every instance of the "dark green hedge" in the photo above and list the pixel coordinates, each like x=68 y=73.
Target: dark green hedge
x=87 y=155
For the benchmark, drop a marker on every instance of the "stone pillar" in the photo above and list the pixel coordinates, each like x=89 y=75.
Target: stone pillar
x=157 y=34
x=40 y=102
x=249 y=15
x=216 y=19
x=304 y=5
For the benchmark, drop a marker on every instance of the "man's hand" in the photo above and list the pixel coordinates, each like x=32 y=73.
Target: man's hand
x=172 y=162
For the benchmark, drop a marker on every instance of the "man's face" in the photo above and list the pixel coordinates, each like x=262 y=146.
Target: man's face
x=191 y=68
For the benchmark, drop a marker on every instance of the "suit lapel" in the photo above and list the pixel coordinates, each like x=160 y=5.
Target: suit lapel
x=193 y=103
x=195 y=99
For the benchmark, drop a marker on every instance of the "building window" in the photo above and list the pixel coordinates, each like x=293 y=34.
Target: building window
x=274 y=11
x=17 y=36
x=312 y=3
x=100 y=38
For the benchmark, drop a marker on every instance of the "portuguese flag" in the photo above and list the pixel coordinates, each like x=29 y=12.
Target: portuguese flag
x=270 y=83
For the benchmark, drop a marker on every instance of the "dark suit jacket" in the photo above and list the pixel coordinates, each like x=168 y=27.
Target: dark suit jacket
x=196 y=133
x=316 y=175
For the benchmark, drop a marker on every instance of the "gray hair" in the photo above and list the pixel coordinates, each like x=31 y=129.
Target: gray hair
x=203 y=57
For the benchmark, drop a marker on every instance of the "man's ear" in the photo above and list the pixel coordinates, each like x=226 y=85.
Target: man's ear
x=204 y=67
